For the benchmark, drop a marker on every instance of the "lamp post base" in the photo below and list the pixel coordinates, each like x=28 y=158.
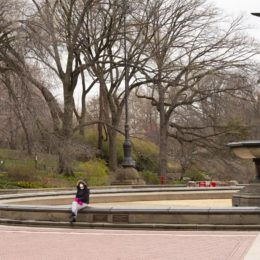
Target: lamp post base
x=128 y=176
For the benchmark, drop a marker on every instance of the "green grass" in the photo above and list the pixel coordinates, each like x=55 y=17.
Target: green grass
x=16 y=157
x=21 y=171
x=8 y=154
x=144 y=152
x=95 y=172
x=24 y=171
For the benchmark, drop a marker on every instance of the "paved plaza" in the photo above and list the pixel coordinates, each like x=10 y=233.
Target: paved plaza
x=28 y=243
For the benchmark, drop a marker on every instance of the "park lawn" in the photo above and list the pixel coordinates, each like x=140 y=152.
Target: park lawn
x=21 y=170
x=24 y=171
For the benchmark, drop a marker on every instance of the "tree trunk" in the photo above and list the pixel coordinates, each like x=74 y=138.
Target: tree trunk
x=64 y=166
x=112 y=134
x=65 y=151
x=163 y=150
x=100 y=138
x=81 y=127
x=113 y=120
x=112 y=161
x=101 y=118
x=163 y=134
x=68 y=114
x=28 y=140
x=82 y=118
x=12 y=141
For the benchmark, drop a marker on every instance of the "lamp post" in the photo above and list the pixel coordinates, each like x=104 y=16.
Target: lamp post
x=128 y=161
x=127 y=175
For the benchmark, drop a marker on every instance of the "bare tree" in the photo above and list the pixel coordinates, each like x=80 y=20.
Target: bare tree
x=192 y=41
x=210 y=122
x=50 y=36
x=144 y=119
x=109 y=68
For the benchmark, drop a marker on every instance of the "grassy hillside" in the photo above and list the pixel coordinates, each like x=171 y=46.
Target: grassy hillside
x=19 y=170
x=144 y=152
x=22 y=170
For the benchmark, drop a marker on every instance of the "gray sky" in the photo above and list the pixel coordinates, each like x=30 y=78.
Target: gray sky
x=245 y=7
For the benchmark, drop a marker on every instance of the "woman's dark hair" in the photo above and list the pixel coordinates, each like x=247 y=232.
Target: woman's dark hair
x=83 y=182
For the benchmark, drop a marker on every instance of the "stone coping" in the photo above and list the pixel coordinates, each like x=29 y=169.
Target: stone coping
x=119 y=190
x=22 y=190
x=170 y=210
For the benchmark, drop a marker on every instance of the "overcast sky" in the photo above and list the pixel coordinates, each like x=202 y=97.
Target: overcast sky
x=245 y=7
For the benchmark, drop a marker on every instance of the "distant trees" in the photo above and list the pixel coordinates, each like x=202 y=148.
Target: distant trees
x=51 y=39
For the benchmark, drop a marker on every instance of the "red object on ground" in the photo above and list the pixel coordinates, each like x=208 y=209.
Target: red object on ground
x=213 y=184
x=202 y=184
x=162 y=179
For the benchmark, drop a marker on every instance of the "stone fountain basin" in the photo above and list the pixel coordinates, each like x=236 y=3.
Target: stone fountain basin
x=125 y=195
x=35 y=209
x=246 y=149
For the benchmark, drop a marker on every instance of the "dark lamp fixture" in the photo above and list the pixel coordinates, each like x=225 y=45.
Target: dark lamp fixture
x=256 y=14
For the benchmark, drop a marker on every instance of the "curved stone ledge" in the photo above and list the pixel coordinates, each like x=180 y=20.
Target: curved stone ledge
x=138 y=217
x=120 y=194
x=244 y=216
x=61 y=199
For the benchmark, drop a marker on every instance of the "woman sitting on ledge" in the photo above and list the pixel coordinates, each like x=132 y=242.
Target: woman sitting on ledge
x=81 y=200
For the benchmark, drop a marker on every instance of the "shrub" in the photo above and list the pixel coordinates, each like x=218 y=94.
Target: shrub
x=21 y=172
x=147 y=162
x=91 y=138
x=8 y=154
x=195 y=175
x=179 y=182
x=147 y=155
x=7 y=184
x=150 y=177
x=29 y=185
x=95 y=172
x=119 y=149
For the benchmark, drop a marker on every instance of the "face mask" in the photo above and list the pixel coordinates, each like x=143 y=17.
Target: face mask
x=81 y=186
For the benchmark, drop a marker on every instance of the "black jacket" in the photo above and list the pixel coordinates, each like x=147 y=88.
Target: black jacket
x=83 y=195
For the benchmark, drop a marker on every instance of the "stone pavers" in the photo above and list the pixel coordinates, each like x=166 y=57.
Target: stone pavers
x=171 y=203
x=24 y=243
x=254 y=251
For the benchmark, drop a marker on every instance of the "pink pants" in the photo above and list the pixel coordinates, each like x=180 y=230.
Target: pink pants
x=75 y=207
